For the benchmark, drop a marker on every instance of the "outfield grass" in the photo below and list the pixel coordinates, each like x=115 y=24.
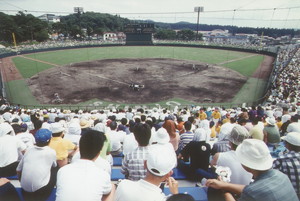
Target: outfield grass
x=247 y=66
x=28 y=68
x=251 y=91
x=244 y=63
x=19 y=92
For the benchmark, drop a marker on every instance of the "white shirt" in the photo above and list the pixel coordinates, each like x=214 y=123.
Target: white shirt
x=82 y=180
x=9 y=148
x=238 y=174
x=138 y=191
x=116 y=138
x=36 y=167
x=100 y=162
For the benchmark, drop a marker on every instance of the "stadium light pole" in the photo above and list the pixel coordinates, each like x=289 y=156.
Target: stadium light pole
x=79 y=10
x=198 y=9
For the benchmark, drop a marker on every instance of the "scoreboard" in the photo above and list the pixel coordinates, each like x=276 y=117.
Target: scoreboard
x=139 y=34
x=139 y=28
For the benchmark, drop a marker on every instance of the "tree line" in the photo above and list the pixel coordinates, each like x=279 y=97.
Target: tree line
x=82 y=26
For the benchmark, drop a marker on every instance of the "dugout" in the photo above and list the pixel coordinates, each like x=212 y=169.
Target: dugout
x=139 y=34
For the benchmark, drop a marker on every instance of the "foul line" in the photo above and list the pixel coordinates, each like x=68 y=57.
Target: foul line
x=225 y=62
x=45 y=62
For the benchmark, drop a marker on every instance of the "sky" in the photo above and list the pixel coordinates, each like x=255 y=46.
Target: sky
x=246 y=13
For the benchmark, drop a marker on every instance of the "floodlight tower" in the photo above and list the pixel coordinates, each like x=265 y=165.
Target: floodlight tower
x=198 y=9
x=79 y=10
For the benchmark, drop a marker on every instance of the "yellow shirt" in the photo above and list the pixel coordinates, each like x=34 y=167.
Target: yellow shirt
x=202 y=115
x=225 y=120
x=279 y=124
x=213 y=132
x=62 y=147
x=217 y=129
x=216 y=115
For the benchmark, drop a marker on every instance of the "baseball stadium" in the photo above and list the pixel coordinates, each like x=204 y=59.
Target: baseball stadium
x=141 y=105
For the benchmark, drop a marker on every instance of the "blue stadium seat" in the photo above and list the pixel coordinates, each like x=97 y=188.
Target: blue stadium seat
x=15 y=177
x=178 y=174
x=117 y=161
x=116 y=175
x=52 y=196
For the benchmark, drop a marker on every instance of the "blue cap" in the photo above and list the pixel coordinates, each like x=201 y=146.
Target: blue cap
x=43 y=135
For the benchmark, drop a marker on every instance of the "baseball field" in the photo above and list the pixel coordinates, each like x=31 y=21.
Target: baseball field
x=103 y=75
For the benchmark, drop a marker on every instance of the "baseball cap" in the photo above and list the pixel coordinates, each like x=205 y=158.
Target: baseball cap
x=161 y=160
x=43 y=135
x=238 y=134
x=57 y=127
x=161 y=136
x=292 y=138
x=254 y=154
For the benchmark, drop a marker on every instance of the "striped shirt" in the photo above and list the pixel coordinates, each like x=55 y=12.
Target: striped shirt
x=133 y=163
x=185 y=138
x=289 y=164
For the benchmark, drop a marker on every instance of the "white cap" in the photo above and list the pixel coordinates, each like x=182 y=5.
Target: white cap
x=57 y=127
x=254 y=154
x=161 y=160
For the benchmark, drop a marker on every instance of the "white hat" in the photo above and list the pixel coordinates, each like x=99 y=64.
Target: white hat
x=100 y=127
x=292 y=138
x=46 y=125
x=254 y=154
x=200 y=135
x=57 y=127
x=161 y=136
x=6 y=128
x=238 y=134
x=161 y=160
x=74 y=129
x=271 y=121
